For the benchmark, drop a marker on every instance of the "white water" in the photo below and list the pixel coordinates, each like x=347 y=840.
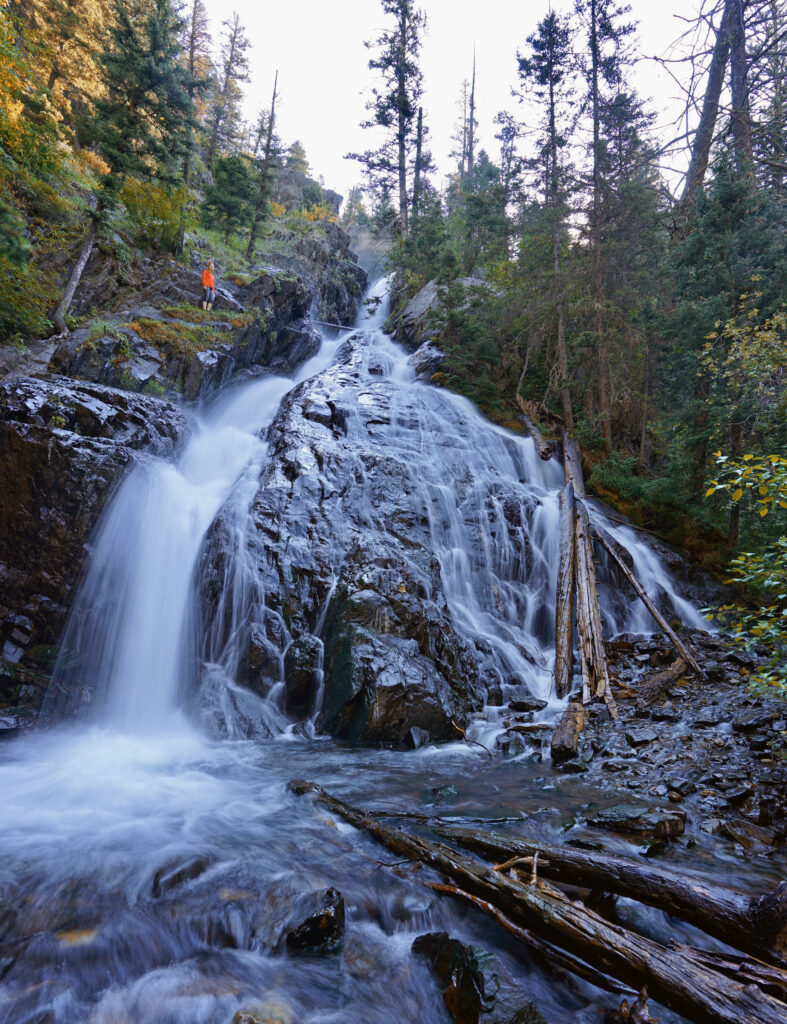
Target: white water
x=90 y=812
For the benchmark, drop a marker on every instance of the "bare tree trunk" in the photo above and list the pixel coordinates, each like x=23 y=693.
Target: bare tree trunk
x=58 y=317
x=401 y=134
x=703 y=138
x=740 y=118
x=417 y=174
x=562 y=352
x=471 y=126
x=643 y=433
x=265 y=172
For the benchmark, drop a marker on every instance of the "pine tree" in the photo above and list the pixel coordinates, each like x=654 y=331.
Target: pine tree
x=394 y=104
x=296 y=157
x=225 y=119
x=545 y=69
x=606 y=58
x=229 y=200
x=143 y=121
x=195 y=45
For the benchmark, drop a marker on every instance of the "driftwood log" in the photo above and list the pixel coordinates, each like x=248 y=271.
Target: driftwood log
x=653 y=686
x=757 y=926
x=565 y=739
x=689 y=982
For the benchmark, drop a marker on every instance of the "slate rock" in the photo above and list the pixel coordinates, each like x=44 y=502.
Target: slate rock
x=321 y=927
x=640 y=821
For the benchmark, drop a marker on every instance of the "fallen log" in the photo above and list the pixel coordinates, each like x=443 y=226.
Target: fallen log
x=546 y=449
x=611 y=546
x=673 y=976
x=652 y=687
x=727 y=915
x=564 y=637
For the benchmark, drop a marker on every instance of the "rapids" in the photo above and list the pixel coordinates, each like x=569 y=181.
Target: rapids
x=93 y=810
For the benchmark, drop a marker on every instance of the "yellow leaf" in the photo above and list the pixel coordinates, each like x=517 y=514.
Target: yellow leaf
x=747 y=458
x=737 y=495
x=763 y=488
x=763 y=512
x=709 y=491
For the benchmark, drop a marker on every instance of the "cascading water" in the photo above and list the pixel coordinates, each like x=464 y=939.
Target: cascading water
x=146 y=871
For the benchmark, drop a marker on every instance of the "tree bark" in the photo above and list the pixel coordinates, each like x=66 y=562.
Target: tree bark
x=564 y=637
x=677 y=977
x=727 y=915
x=740 y=116
x=703 y=138
x=591 y=637
x=58 y=317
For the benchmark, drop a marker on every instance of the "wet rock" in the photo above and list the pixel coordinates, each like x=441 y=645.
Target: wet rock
x=418 y=737
x=712 y=826
x=427 y=361
x=685 y=787
x=739 y=794
x=532 y=704
x=177 y=872
x=641 y=737
x=273 y=1012
x=65 y=445
x=321 y=928
x=8 y=727
x=708 y=717
x=302 y=670
x=754 y=720
x=474 y=985
x=751 y=837
x=572 y=767
x=640 y=821
x=665 y=713
x=512 y=744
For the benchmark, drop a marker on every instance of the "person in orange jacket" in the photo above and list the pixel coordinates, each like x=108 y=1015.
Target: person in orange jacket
x=208 y=287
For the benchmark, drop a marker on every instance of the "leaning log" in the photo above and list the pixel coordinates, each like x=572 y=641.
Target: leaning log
x=564 y=639
x=611 y=547
x=723 y=913
x=674 y=976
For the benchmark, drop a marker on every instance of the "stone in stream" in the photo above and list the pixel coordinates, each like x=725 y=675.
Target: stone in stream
x=301 y=665
x=527 y=704
x=475 y=986
x=641 y=737
x=640 y=821
x=174 y=874
x=321 y=927
x=708 y=717
x=754 y=720
x=273 y=1012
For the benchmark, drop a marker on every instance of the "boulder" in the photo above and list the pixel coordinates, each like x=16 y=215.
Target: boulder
x=318 y=925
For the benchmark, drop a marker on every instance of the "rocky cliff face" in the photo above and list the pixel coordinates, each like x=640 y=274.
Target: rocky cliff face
x=65 y=446
x=343 y=596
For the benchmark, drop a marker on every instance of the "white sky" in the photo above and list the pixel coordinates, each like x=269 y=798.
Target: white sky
x=324 y=78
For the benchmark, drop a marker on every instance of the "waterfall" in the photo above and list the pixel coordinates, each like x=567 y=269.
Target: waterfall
x=487 y=504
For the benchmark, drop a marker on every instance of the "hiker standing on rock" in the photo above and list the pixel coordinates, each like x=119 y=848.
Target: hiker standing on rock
x=208 y=287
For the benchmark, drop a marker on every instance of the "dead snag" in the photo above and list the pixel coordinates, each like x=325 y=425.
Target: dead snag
x=611 y=546
x=564 y=638
x=674 y=976
x=565 y=739
x=572 y=465
x=546 y=449
x=653 y=686
x=727 y=915
x=591 y=639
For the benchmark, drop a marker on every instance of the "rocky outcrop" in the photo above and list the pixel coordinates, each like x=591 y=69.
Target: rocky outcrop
x=160 y=348
x=323 y=260
x=347 y=572
x=65 y=446
x=289 y=184
x=415 y=322
x=156 y=338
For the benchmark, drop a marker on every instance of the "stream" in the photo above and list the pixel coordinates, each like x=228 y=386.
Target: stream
x=150 y=862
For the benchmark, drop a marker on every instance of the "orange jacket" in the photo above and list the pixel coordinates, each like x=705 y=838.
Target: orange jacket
x=208 y=280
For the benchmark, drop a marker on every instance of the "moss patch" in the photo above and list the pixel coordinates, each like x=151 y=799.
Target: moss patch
x=175 y=339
